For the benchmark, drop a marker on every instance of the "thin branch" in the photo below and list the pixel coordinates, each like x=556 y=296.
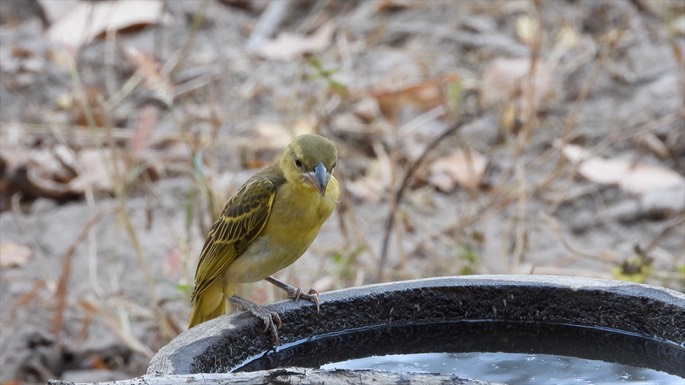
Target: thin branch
x=589 y=84
x=399 y=193
x=62 y=285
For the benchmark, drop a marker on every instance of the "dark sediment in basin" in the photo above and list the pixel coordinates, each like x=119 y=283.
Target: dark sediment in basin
x=658 y=314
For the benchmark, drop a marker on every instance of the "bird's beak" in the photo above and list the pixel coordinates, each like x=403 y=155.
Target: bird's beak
x=319 y=178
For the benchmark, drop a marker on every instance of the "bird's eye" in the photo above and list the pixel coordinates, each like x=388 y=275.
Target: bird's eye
x=298 y=163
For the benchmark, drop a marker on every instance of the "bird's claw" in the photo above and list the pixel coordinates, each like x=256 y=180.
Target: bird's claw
x=272 y=321
x=296 y=293
x=313 y=297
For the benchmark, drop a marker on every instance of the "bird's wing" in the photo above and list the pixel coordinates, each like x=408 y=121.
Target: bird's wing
x=242 y=219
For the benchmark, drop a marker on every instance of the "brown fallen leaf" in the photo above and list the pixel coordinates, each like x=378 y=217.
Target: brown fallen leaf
x=394 y=5
x=636 y=178
x=506 y=80
x=376 y=181
x=100 y=169
x=288 y=46
x=460 y=168
x=272 y=135
x=424 y=95
x=272 y=138
x=529 y=30
x=87 y=20
x=305 y=124
x=13 y=255
x=97 y=169
x=362 y=125
x=241 y=4
x=36 y=173
x=54 y=10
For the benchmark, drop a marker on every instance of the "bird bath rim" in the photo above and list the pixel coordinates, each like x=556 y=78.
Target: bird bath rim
x=222 y=344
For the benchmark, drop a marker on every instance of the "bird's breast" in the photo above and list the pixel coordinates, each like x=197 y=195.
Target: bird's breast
x=298 y=216
x=295 y=220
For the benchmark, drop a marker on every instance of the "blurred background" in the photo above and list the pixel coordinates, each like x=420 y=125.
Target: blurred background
x=475 y=137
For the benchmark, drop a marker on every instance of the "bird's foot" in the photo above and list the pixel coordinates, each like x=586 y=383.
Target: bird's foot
x=272 y=321
x=296 y=293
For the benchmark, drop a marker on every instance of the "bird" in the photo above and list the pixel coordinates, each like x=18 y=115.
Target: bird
x=264 y=227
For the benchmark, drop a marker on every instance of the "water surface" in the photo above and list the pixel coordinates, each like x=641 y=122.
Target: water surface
x=510 y=352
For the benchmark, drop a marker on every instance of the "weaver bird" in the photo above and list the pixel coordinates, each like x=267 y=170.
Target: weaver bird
x=267 y=225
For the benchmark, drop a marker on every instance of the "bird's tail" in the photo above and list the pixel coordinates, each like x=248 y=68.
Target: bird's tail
x=211 y=303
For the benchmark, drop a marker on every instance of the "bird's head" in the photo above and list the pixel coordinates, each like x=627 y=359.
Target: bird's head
x=309 y=160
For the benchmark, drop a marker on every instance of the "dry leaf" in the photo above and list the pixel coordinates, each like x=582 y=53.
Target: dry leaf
x=13 y=255
x=423 y=95
x=367 y=110
x=271 y=139
x=369 y=189
x=306 y=124
x=89 y=19
x=288 y=46
x=568 y=37
x=635 y=178
x=241 y=4
x=376 y=180
x=644 y=178
x=57 y=173
x=461 y=168
x=54 y=10
x=275 y=136
x=529 y=30
x=101 y=168
x=678 y=25
x=393 y=5
x=97 y=167
x=506 y=80
x=272 y=136
x=362 y=124
x=37 y=173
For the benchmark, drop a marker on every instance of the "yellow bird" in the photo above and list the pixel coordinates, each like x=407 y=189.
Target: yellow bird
x=266 y=226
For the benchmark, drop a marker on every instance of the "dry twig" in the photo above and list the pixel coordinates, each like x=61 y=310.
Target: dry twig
x=399 y=193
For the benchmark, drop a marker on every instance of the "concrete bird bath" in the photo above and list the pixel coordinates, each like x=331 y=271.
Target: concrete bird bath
x=470 y=310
